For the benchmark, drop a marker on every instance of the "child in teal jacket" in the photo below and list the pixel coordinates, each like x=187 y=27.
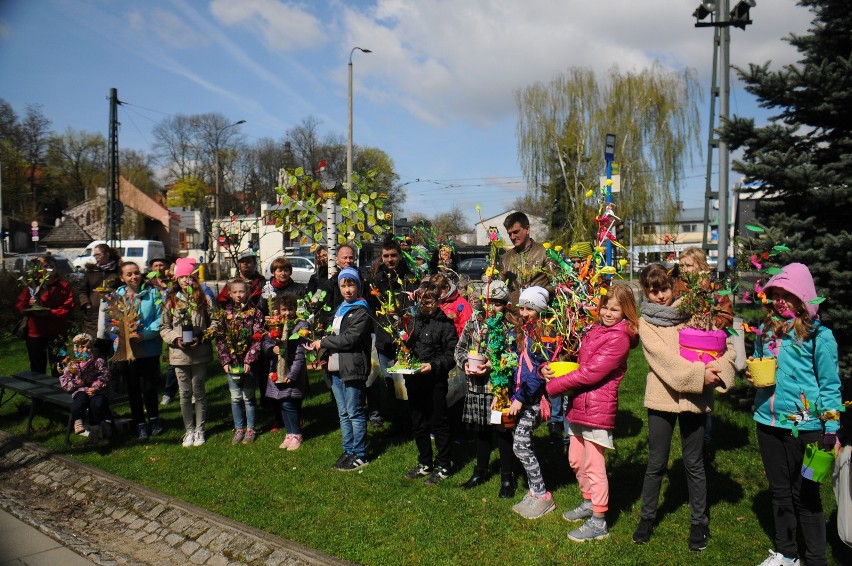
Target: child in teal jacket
x=807 y=373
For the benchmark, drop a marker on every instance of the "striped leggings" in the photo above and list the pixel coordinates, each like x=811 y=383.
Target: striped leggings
x=522 y=446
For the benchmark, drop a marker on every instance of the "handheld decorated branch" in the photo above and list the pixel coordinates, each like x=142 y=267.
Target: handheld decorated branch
x=755 y=254
x=308 y=309
x=503 y=360
x=395 y=321
x=33 y=279
x=700 y=300
x=233 y=328
x=577 y=283
x=122 y=321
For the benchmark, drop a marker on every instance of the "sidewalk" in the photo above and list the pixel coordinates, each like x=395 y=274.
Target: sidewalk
x=22 y=544
x=69 y=507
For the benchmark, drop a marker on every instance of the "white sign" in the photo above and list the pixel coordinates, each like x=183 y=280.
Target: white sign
x=616 y=183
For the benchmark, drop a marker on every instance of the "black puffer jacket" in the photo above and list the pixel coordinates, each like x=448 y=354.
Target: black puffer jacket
x=353 y=344
x=433 y=340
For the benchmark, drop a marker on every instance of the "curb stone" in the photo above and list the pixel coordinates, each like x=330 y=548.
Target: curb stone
x=127 y=523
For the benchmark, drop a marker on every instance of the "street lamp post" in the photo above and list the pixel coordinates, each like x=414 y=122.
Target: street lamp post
x=349 y=142
x=609 y=156
x=216 y=182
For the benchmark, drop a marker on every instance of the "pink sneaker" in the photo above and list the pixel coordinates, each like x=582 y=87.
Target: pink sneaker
x=286 y=444
x=295 y=442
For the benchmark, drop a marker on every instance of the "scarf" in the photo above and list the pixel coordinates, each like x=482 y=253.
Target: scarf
x=279 y=286
x=660 y=315
x=346 y=307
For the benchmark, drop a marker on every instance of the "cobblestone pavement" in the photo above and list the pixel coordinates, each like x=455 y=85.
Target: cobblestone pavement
x=112 y=521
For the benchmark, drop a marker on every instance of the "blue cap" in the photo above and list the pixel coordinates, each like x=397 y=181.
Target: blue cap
x=349 y=273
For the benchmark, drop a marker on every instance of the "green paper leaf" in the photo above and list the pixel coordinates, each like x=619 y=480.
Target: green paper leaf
x=731 y=332
x=816 y=300
x=724 y=292
x=754 y=228
x=781 y=248
x=774 y=270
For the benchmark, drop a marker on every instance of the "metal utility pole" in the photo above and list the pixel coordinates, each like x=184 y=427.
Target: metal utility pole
x=722 y=18
x=114 y=205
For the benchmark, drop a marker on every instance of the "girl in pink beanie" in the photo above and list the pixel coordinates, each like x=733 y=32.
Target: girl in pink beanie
x=807 y=367
x=186 y=319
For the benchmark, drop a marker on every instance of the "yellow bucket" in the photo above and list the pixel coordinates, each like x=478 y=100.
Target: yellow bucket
x=762 y=371
x=563 y=368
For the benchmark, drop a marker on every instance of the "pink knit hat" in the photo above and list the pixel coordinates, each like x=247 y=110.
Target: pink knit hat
x=797 y=280
x=184 y=266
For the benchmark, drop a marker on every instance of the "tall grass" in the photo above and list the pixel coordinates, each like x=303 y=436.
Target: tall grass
x=376 y=517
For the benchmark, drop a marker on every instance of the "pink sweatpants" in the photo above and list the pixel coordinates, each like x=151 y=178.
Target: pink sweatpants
x=587 y=460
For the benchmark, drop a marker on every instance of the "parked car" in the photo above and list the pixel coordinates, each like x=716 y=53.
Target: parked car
x=303 y=268
x=473 y=267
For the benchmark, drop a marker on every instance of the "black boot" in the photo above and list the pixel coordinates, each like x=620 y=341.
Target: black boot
x=507 y=486
x=478 y=478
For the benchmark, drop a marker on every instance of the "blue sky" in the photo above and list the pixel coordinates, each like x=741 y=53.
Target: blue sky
x=436 y=93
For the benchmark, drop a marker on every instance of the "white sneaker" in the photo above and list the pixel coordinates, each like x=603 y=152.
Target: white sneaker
x=166 y=400
x=778 y=559
x=199 y=438
x=188 y=439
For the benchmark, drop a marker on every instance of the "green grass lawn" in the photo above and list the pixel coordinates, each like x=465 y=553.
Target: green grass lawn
x=376 y=517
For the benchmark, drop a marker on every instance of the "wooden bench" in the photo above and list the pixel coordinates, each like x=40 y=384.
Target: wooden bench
x=41 y=388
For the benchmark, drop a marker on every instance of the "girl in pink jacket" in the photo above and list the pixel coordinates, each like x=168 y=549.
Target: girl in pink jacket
x=603 y=363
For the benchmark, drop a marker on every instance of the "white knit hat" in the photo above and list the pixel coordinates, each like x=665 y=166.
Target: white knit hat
x=534 y=298
x=498 y=291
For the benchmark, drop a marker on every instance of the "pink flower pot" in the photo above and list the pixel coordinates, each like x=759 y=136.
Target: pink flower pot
x=702 y=345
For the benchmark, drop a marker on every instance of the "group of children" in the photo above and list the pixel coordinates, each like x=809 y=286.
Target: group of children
x=677 y=391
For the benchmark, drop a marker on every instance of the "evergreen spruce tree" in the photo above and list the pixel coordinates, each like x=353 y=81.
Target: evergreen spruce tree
x=803 y=159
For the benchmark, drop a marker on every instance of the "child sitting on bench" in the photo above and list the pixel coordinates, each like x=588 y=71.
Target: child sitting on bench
x=86 y=378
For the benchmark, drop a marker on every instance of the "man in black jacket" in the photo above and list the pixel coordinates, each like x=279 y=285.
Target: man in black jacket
x=391 y=275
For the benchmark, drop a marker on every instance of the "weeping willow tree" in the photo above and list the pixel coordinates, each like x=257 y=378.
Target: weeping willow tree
x=561 y=130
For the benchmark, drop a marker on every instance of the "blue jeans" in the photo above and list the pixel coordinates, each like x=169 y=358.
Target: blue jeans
x=291 y=415
x=351 y=399
x=242 y=399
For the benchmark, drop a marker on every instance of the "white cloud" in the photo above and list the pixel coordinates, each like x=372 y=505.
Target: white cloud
x=446 y=60
x=285 y=27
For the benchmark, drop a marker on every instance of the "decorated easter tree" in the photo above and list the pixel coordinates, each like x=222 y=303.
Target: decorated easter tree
x=302 y=200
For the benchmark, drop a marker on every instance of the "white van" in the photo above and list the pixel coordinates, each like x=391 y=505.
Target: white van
x=138 y=251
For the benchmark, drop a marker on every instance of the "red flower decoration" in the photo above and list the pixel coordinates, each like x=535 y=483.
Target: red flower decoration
x=273 y=376
x=256 y=336
x=274 y=333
